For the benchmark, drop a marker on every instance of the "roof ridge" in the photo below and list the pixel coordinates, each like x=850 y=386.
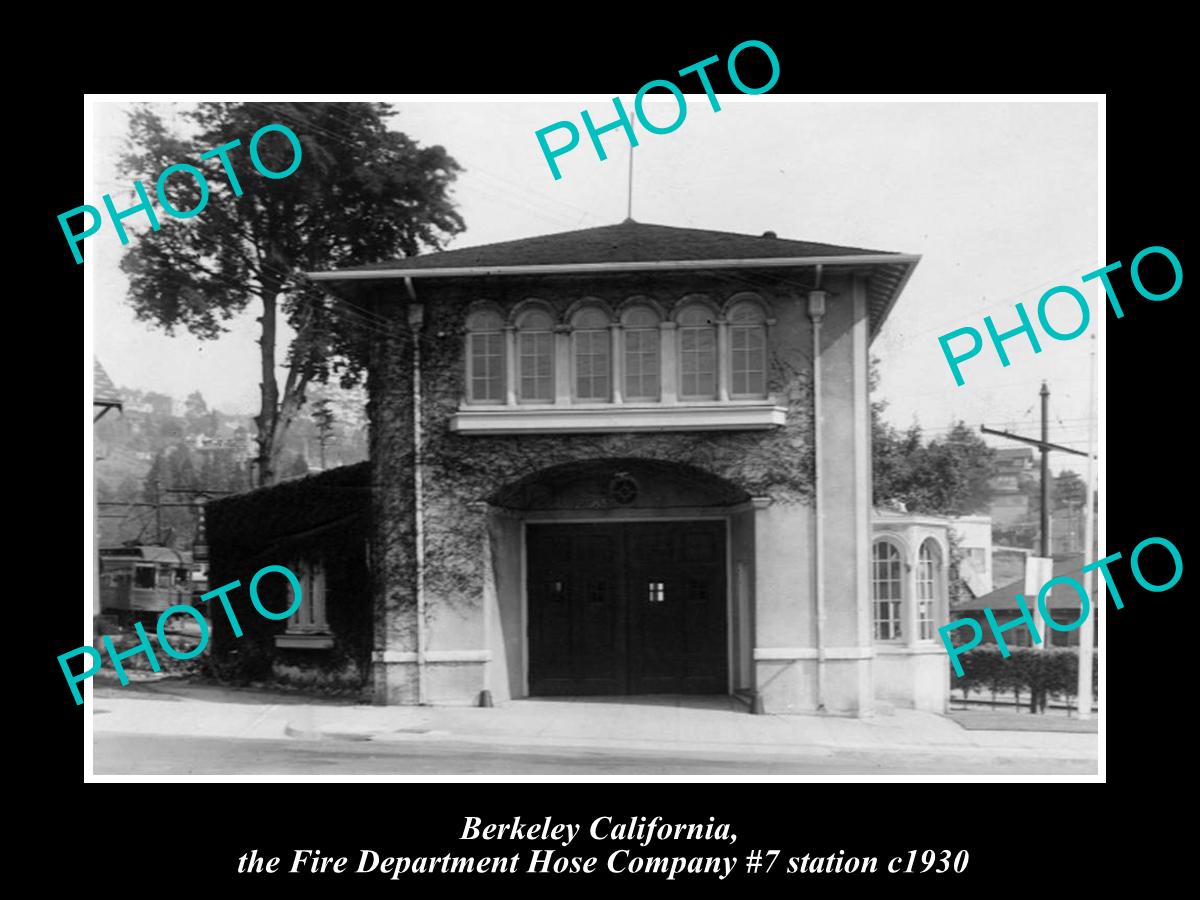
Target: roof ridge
x=628 y=241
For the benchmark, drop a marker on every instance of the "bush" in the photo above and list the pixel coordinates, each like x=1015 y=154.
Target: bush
x=1037 y=672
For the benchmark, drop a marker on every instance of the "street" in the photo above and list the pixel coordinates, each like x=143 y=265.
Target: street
x=149 y=754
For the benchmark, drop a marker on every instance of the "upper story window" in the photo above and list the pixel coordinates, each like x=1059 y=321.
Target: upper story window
x=485 y=357
x=887 y=590
x=591 y=340
x=697 y=353
x=698 y=366
x=642 y=337
x=535 y=356
x=747 y=350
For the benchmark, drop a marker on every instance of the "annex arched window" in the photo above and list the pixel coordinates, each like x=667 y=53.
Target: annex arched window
x=928 y=579
x=697 y=352
x=887 y=582
x=747 y=351
x=591 y=343
x=535 y=357
x=485 y=357
x=642 y=337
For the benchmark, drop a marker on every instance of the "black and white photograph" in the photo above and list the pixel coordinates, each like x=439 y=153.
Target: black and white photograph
x=682 y=436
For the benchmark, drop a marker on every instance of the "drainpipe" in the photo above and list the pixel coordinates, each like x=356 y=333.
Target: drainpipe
x=416 y=316
x=816 y=311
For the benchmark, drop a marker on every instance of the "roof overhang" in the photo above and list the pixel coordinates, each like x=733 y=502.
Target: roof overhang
x=891 y=272
x=904 y=259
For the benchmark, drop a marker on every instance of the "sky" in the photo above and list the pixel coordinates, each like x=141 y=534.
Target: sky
x=1000 y=199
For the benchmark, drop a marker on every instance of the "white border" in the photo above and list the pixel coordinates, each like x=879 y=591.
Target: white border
x=89 y=301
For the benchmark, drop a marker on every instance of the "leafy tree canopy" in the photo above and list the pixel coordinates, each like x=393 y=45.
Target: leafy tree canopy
x=361 y=194
x=946 y=476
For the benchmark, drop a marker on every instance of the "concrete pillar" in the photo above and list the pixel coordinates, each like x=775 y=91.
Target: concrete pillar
x=845 y=496
x=394 y=673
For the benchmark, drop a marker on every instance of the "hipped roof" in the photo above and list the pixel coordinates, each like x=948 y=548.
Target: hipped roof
x=637 y=246
x=1062 y=596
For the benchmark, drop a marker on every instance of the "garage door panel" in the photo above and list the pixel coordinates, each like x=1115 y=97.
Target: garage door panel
x=629 y=607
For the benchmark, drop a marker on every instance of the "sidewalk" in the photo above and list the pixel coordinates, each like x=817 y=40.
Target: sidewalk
x=670 y=724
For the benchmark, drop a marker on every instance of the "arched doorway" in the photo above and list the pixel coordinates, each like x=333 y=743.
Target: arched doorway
x=626 y=577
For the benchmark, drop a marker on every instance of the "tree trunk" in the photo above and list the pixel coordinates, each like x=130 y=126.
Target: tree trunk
x=278 y=413
x=289 y=408
x=269 y=392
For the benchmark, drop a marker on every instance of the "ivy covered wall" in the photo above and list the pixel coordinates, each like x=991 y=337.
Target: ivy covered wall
x=463 y=472
x=323 y=517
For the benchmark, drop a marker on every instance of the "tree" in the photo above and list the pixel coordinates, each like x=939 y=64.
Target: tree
x=948 y=476
x=297 y=467
x=323 y=416
x=1068 y=490
x=194 y=406
x=361 y=194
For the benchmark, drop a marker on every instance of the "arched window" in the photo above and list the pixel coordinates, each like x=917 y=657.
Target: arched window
x=590 y=342
x=642 y=338
x=927 y=588
x=886 y=587
x=747 y=351
x=485 y=357
x=697 y=353
x=535 y=355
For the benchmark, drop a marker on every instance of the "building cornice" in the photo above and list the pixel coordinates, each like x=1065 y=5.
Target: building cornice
x=616 y=267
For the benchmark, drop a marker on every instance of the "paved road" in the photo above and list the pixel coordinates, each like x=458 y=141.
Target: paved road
x=129 y=754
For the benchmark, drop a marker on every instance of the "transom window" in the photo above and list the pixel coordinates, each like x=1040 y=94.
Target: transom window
x=887 y=590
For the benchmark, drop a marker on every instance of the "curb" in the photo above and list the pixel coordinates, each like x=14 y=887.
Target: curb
x=780 y=752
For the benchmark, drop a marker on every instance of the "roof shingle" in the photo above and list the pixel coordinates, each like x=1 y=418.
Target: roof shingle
x=629 y=241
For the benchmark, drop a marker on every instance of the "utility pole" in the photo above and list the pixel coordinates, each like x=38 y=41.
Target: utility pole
x=199 y=497
x=1045 y=394
x=1045 y=447
x=158 y=536
x=1083 y=690
x=1036 y=578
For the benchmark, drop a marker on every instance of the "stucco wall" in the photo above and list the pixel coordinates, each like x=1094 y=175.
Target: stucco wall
x=462 y=470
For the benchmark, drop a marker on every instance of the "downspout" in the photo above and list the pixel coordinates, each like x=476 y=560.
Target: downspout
x=816 y=311
x=416 y=317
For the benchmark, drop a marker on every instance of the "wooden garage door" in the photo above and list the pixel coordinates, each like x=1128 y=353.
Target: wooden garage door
x=627 y=608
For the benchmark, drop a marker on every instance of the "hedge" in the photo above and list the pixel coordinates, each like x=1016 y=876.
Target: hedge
x=1036 y=672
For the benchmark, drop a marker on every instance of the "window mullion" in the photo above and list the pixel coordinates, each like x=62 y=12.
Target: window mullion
x=722 y=373
x=510 y=365
x=908 y=608
x=616 y=363
x=668 y=362
x=562 y=365
x=318 y=613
